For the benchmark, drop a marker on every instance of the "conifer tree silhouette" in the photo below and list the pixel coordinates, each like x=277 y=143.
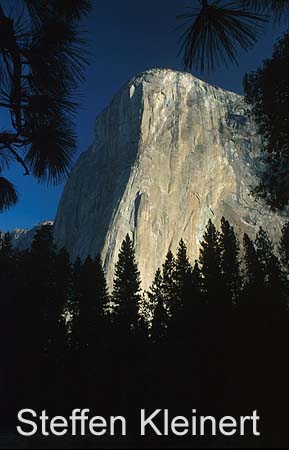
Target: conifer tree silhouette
x=267 y=328
x=42 y=284
x=74 y=306
x=160 y=316
x=62 y=300
x=6 y=247
x=217 y=316
x=169 y=284
x=219 y=358
x=92 y=296
x=197 y=280
x=211 y=265
x=194 y=305
x=194 y=309
x=270 y=81
x=101 y=286
x=254 y=275
x=274 y=279
x=64 y=276
x=8 y=327
x=254 y=284
x=126 y=287
x=38 y=320
x=7 y=265
x=155 y=291
x=183 y=278
x=229 y=246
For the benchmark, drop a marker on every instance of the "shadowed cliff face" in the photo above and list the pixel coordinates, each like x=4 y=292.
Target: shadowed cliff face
x=170 y=153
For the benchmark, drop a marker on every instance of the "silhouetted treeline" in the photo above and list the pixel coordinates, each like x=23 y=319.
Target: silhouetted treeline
x=211 y=335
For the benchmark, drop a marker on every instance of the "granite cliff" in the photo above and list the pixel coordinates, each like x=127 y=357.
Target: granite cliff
x=170 y=152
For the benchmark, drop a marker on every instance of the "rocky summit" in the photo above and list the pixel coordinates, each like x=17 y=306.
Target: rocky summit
x=170 y=152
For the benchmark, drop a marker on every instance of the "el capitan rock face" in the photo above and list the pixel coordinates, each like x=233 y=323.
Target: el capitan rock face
x=170 y=152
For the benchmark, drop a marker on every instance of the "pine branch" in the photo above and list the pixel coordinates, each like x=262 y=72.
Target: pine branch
x=19 y=159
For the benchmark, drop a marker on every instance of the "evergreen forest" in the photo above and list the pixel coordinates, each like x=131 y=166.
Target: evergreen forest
x=210 y=335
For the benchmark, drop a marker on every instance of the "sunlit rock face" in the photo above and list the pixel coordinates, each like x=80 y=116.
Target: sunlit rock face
x=169 y=153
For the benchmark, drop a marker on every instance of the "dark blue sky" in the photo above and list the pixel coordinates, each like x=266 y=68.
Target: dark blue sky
x=126 y=38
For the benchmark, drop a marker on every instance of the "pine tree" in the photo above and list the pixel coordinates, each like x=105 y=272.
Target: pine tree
x=74 y=304
x=62 y=299
x=50 y=289
x=156 y=290
x=41 y=65
x=159 y=324
x=64 y=276
x=183 y=278
x=42 y=247
x=38 y=319
x=7 y=262
x=254 y=275
x=101 y=287
x=160 y=316
x=197 y=279
x=91 y=296
x=8 y=326
x=41 y=286
x=169 y=283
x=8 y=281
x=264 y=315
x=274 y=278
x=230 y=262
x=76 y=269
x=195 y=301
x=195 y=307
x=126 y=287
x=185 y=321
x=6 y=246
x=211 y=265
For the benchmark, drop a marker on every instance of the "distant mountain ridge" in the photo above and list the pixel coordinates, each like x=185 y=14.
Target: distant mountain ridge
x=22 y=238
